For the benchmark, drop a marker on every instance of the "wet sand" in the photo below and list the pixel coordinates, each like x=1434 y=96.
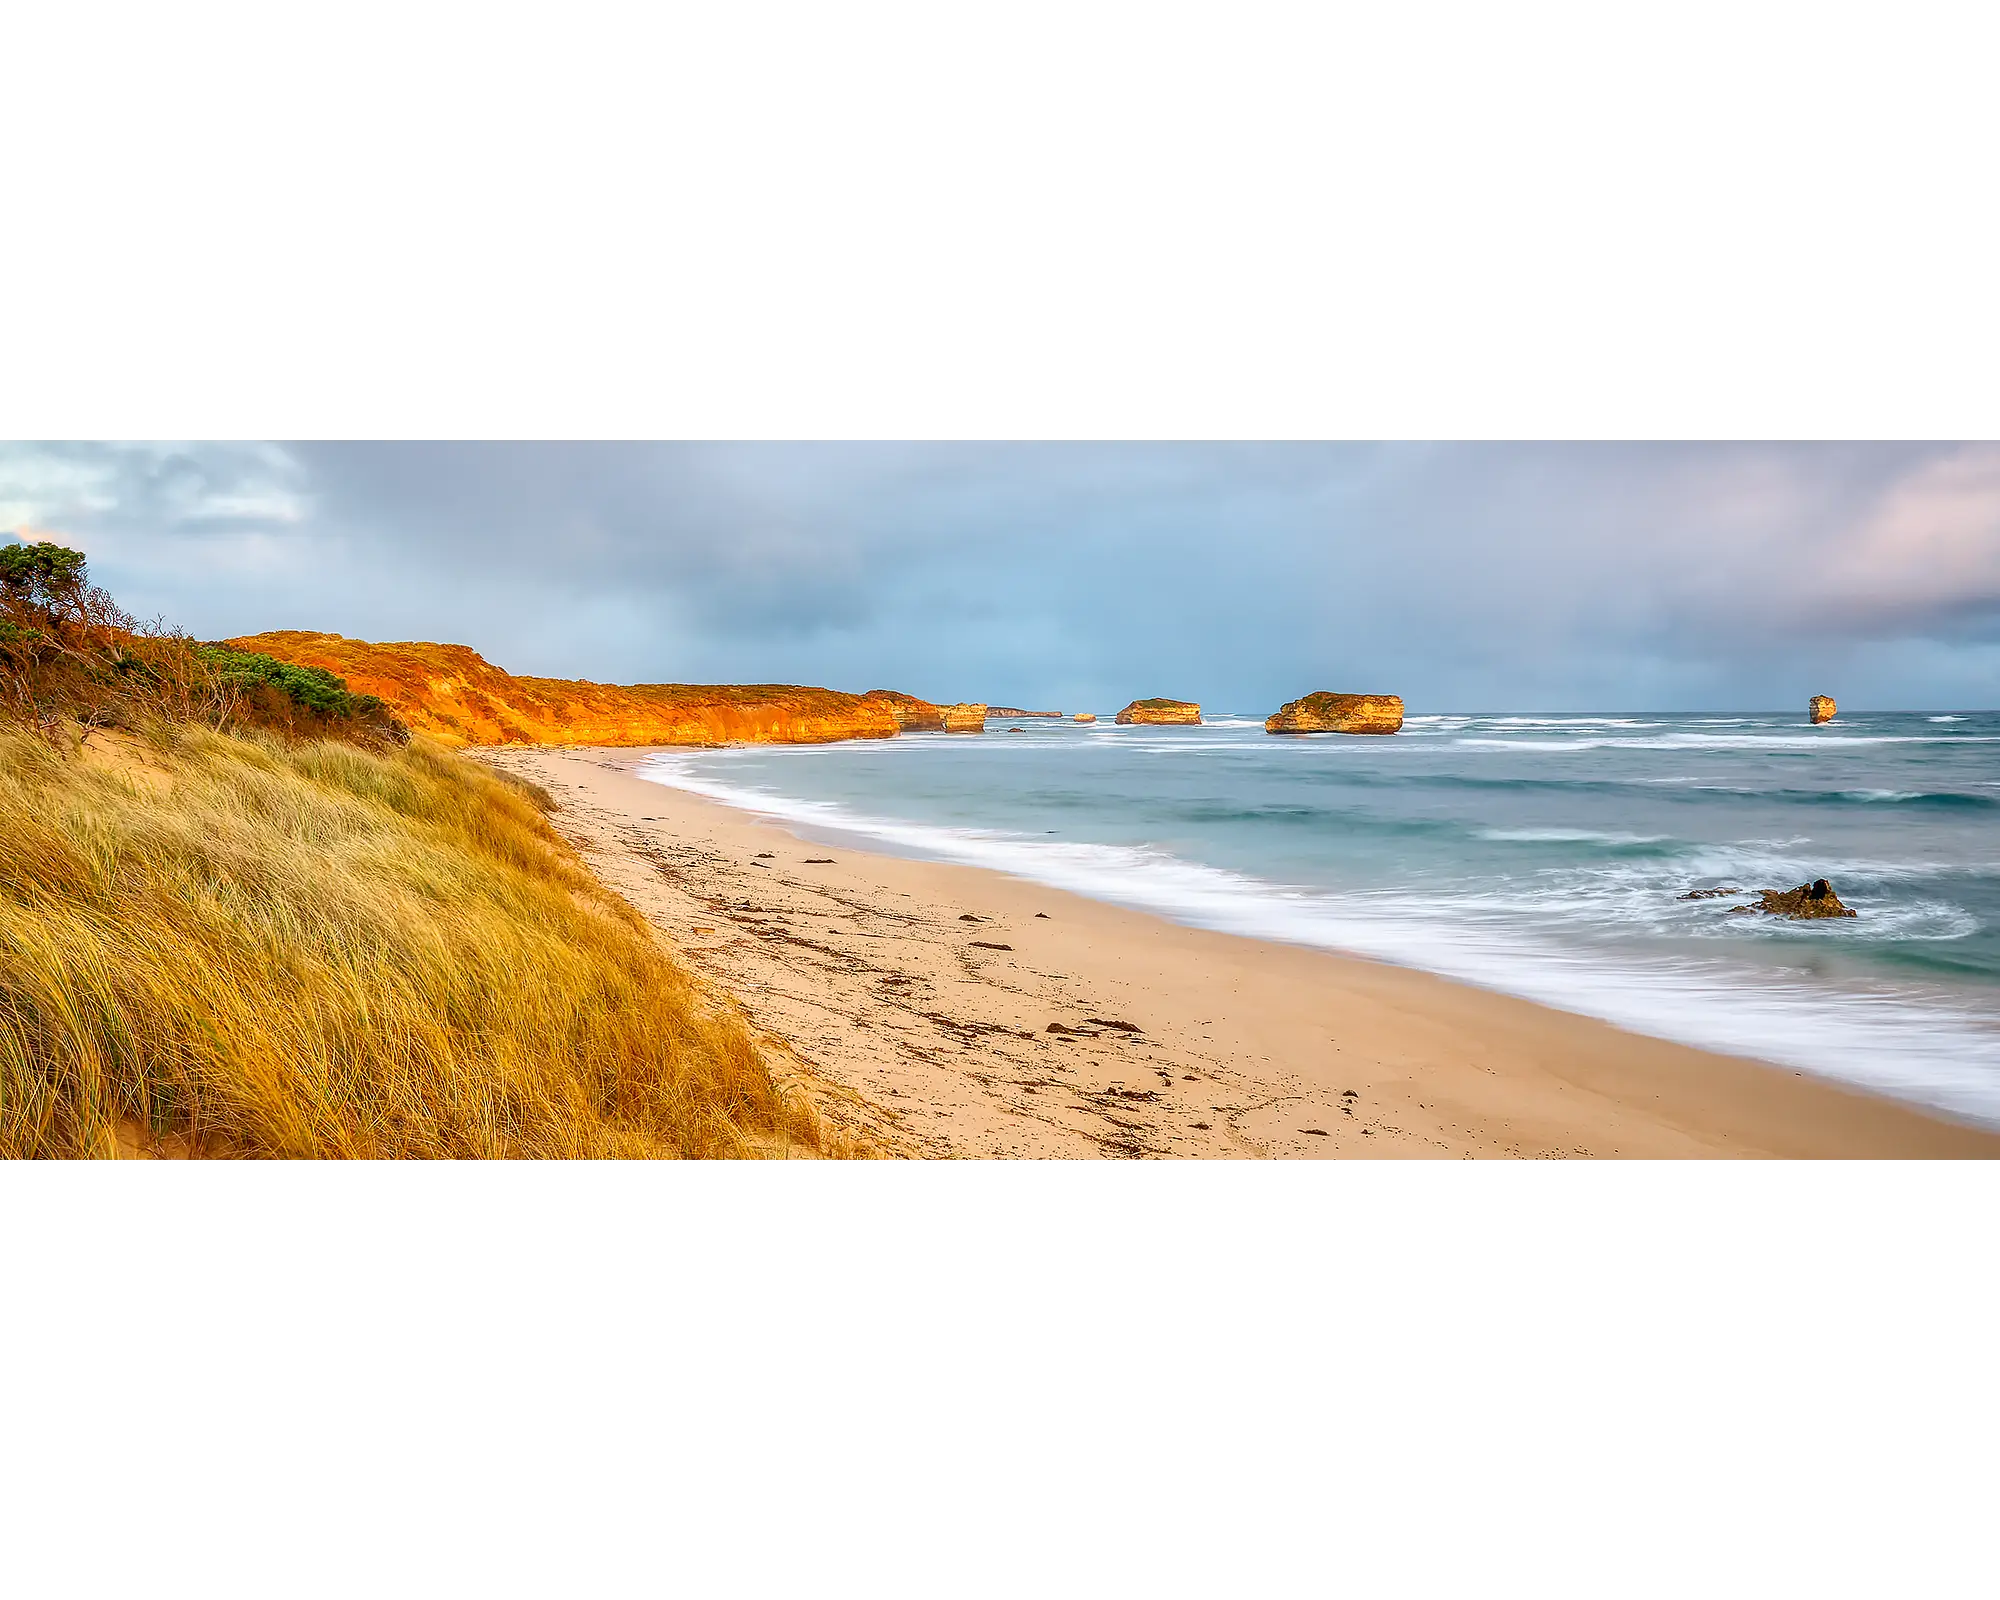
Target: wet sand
x=914 y=1002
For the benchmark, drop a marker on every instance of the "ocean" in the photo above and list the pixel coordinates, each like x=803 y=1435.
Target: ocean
x=1542 y=856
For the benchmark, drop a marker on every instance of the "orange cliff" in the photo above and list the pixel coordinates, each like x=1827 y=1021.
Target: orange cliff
x=457 y=697
x=912 y=715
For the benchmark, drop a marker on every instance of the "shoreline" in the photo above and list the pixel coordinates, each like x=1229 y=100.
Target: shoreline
x=927 y=1032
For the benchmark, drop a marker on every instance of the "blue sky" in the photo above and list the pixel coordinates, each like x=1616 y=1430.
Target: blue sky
x=1475 y=577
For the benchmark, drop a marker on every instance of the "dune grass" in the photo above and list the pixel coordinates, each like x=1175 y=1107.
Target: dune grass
x=244 y=945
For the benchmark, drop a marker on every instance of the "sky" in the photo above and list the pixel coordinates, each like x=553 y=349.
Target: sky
x=1474 y=577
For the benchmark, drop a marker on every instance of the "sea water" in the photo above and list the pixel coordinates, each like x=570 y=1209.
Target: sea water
x=1542 y=856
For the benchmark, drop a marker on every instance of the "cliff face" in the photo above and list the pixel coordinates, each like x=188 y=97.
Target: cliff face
x=456 y=696
x=912 y=715
x=969 y=717
x=1160 y=711
x=1820 y=708
x=1324 y=712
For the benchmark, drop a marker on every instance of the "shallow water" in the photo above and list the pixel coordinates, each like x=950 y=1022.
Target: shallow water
x=1537 y=855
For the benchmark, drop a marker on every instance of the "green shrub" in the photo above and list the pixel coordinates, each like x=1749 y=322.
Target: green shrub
x=41 y=575
x=68 y=654
x=311 y=689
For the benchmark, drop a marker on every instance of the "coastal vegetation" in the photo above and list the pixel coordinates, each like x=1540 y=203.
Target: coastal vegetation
x=243 y=912
x=70 y=657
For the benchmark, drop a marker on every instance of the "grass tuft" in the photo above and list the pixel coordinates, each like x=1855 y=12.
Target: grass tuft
x=237 y=944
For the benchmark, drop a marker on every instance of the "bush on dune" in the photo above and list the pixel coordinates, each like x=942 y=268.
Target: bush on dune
x=267 y=692
x=70 y=655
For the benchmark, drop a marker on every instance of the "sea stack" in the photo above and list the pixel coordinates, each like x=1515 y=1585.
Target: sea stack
x=1086 y=716
x=1167 y=712
x=1820 y=708
x=969 y=717
x=1326 y=712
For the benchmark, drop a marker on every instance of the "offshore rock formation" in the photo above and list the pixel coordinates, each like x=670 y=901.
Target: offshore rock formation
x=457 y=697
x=967 y=718
x=1085 y=716
x=1015 y=711
x=1168 y=712
x=1820 y=708
x=1324 y=712
x=1805 y=903
x=912 y=715
x=1815 y=899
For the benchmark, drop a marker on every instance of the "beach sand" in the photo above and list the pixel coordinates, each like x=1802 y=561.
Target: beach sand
x=874 y=988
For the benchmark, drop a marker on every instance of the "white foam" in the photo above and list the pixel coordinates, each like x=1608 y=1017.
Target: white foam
x=1567 y=836
x=1936 y=1055
x=1740 y=741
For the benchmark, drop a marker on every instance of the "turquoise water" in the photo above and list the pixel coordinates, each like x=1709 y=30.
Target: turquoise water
x=1537 y=855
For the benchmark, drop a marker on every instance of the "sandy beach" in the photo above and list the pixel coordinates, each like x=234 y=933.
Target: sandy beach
x=947 y=1011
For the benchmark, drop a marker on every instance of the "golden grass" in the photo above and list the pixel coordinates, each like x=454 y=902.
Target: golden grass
x=237 y=945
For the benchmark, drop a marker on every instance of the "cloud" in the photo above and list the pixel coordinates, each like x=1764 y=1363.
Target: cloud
x=1929 y=550
x=1467 y=575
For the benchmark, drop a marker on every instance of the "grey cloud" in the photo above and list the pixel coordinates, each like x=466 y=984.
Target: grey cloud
x=1464 y=575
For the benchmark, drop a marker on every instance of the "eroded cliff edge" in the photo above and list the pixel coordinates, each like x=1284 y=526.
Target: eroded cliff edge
x=455 y=695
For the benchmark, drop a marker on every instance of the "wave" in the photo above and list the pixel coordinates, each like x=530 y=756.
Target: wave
x=1939 y=1055
x=1567 y=836
x=1685 y=788
x=1942 y=797
x=1727 y=742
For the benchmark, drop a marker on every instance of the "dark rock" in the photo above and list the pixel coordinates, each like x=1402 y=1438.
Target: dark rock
x=1709 y=894
x=981 y=944
x=1122 y=1027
